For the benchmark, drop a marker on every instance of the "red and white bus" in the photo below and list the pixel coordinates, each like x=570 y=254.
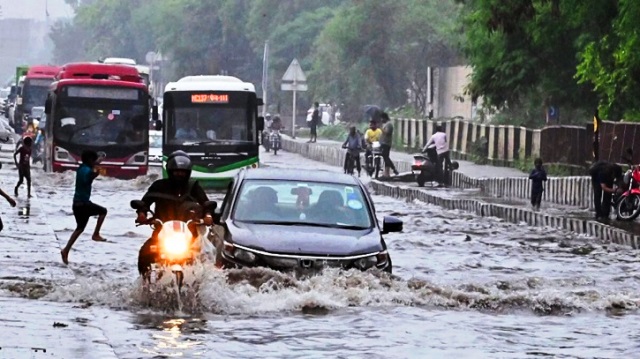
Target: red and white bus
x=34 y=90
x=103 y=108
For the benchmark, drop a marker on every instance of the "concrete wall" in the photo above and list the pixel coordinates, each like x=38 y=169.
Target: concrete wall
x=510 y=186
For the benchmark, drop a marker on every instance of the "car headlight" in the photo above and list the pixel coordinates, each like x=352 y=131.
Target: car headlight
x=244 y=256
x=379 y=260
x=366 y=262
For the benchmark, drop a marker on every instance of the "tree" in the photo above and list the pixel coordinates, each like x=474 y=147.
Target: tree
x=612 y=64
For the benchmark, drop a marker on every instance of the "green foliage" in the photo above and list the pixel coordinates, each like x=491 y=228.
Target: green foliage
x=478 y=151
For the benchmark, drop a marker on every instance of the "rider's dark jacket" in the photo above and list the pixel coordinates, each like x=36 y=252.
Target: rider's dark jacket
x=173 y=201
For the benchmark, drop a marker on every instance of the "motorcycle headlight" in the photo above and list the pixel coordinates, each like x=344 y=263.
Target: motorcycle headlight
x=175 y=245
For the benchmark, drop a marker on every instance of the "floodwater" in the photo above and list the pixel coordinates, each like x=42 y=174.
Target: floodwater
x=463 y=286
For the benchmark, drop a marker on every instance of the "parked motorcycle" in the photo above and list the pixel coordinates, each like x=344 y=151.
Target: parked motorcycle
x=274 y=139
x=424 y=167
x=373 y=160
x=175 y=246
x=628 y=203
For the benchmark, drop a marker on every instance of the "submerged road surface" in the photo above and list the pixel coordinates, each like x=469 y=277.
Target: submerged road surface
x=463 y=286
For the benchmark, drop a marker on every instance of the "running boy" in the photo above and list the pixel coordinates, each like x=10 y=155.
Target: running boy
x=24 y=165
x=83 y=208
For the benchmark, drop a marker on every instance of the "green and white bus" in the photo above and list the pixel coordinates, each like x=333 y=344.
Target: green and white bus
x=215 y=120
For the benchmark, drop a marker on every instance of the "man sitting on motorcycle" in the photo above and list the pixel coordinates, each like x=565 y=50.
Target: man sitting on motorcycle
x=172 y=196
x=371 y=135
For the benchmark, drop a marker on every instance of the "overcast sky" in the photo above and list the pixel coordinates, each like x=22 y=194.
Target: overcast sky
x=34 y=9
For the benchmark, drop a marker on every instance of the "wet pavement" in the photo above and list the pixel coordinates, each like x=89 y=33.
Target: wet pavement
x=464 y=286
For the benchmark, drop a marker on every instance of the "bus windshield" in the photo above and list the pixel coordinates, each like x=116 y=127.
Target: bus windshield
x=190 y=123
x=100 y=122
x=35 y=91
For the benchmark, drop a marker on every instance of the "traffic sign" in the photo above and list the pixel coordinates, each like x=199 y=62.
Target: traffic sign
x=294 y=73
x=289 y=87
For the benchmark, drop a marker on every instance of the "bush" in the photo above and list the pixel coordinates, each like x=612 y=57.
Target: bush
x=479 y=150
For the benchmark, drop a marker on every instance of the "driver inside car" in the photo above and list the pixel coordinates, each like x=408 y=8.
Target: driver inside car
x=172 y=197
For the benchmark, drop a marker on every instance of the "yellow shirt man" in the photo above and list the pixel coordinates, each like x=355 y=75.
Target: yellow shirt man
x=372 y=135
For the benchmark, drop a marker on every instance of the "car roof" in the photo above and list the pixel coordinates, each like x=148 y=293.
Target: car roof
x=272 y=173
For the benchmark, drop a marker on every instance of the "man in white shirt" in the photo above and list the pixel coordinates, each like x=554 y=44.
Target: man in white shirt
x=439 y=141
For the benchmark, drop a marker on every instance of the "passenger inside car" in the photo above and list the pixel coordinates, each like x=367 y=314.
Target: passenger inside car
x=261 y=206
x=329 y=209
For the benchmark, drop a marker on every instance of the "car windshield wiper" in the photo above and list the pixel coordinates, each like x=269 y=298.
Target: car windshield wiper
x=189 y=143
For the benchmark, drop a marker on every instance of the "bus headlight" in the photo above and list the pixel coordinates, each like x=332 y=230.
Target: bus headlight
x=62 y=155
x=139 y=158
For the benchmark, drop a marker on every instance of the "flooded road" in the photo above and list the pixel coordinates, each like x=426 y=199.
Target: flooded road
x=464 y=286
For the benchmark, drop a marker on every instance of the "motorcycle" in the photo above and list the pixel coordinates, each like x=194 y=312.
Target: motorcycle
x=274 y=139
x=627 y=204
x=350 y=161
x=373 y=162
x=424 y=167
x=176 y=246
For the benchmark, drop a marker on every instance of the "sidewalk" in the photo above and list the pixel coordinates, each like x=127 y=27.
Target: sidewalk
x=29 y=263
x=403 y=163
x=404 y=160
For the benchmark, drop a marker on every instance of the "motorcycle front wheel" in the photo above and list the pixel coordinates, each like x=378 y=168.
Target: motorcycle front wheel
x=628 y=208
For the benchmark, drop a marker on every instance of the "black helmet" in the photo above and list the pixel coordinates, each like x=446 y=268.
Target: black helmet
x=179 y=161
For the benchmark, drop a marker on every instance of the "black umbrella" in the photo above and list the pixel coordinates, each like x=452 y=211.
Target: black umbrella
x=372 y=111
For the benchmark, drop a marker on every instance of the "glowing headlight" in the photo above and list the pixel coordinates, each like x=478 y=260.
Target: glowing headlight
x=175 y=239
x=175 y=244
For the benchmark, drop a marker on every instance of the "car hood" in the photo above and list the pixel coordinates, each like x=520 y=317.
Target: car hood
x=305 y=240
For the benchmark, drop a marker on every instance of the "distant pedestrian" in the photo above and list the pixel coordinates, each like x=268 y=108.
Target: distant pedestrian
x=11 y=201
x=604 y=175
x=386 y=141
x=24 y=164
x=313 y=124
x=439 y=141
x=83 y=208
x=537 y=176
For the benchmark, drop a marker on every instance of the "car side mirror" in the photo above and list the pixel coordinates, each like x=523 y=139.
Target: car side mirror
x=260 y=123
x=391 y=224
x=138 y=205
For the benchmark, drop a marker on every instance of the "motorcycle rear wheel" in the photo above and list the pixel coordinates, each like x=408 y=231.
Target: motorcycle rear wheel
x=376 y=167
x=628 y=208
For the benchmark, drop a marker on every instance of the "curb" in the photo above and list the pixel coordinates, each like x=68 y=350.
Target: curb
x=607 y=234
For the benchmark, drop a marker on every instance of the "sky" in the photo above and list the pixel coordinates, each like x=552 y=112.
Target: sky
x=35 y=9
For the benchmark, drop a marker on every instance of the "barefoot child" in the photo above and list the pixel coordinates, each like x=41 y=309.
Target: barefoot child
x=24 y=165
x=83 y=208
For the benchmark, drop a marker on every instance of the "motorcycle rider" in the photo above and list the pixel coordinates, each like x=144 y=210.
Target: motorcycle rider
x=171 y=196
x=371 y=135
x=439 y=141
x=604 y=175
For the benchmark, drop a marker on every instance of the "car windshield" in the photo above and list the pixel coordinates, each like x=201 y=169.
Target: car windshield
x=302 y=203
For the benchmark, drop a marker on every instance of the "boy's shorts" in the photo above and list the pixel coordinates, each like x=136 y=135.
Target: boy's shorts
x=82 y=211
